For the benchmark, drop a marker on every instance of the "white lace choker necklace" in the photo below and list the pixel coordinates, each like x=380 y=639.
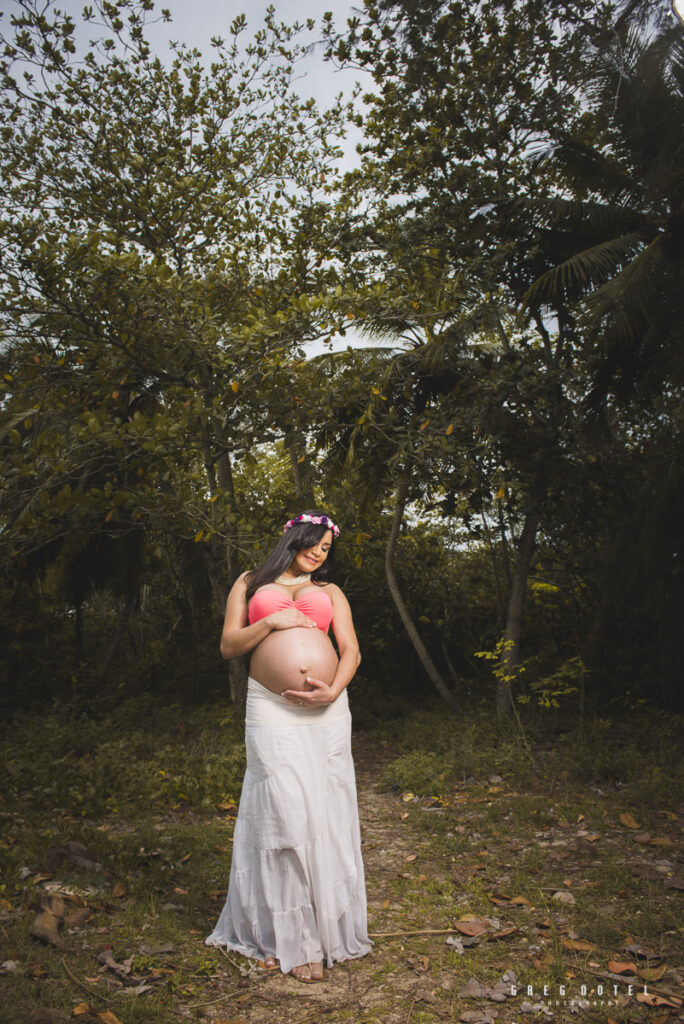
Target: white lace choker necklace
x=292 y=581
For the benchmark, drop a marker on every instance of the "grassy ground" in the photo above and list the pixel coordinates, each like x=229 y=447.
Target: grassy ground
x=492 y=862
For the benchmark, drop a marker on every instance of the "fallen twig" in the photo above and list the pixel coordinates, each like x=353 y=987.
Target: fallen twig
x=411 y=1010
x=90 y=991
x=223 y=999
x=424 y=931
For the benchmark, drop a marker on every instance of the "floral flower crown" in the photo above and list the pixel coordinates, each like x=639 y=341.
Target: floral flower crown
x=316 y=520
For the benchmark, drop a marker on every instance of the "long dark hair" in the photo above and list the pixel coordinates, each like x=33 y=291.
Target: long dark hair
x=300 y=535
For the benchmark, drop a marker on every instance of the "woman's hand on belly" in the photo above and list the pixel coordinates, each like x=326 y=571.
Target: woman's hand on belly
x=317 y=695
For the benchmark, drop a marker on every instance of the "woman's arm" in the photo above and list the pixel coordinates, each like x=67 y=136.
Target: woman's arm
x=350 y=657
x=238 y=637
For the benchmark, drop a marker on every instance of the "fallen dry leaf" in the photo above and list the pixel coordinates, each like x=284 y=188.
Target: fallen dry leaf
x=628 y=820
x=650 y=999
x=652 y=973
x=45 y=927
x=520 y=901
x=472 y=926
x=473 y=989
x=618 y=967
x=579 y=945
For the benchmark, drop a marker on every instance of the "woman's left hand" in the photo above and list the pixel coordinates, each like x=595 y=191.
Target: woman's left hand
x=319 y=694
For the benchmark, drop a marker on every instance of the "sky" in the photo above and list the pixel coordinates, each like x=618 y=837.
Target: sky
x=194 y=22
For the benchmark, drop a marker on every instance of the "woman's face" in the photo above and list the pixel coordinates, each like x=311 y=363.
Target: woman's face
x=309 y=559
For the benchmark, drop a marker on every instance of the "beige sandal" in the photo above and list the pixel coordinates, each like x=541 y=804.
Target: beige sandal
x=315 y=973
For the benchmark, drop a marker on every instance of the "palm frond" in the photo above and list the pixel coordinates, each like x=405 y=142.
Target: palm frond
x=585 y=270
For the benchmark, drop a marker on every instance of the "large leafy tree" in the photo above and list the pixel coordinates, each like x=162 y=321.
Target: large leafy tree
x=152 y=217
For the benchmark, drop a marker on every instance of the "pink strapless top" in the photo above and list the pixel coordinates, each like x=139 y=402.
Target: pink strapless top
x=315 y=604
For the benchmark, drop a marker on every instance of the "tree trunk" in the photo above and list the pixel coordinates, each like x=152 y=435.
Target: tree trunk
x=510 y=655
x=296 y=471
x=118 y=635
x=237 y=670
x=409 y=626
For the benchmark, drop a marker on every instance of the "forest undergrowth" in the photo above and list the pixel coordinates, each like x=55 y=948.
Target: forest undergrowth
x=510 y=877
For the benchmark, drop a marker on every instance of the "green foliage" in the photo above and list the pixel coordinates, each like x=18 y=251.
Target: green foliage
x=136 y=759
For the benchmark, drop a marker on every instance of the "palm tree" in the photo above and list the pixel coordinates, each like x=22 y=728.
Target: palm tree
x=613 y=254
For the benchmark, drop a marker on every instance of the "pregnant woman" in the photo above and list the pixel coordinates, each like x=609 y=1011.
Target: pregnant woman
x=296 y=895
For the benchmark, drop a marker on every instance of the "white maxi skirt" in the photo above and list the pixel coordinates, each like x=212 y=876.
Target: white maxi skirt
x=297 y=887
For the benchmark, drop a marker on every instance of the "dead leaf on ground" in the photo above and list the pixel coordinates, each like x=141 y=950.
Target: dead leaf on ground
x=472 y=926
x=45 y=927
x=619 y=967
x=628 y=820
x=122 y=970
x=652 y=973
x=676 y=882
x=579 y=945
x=541 y=962
x=473 y=989
x=650 y=999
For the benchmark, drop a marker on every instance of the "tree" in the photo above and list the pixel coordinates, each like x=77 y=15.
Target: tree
x=149 y=220
x=448 y=139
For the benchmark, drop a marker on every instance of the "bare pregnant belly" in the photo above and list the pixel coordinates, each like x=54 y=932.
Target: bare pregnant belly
x=284 y=659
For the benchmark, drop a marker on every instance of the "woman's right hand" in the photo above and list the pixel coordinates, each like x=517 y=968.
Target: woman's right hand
x=287 y=618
